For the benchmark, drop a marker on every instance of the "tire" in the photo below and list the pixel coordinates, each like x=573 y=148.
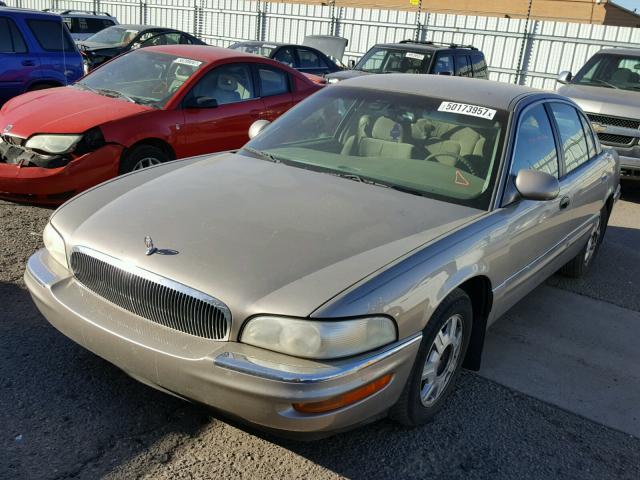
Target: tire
x=141 y=157
x=579 y=265
x=421 y=398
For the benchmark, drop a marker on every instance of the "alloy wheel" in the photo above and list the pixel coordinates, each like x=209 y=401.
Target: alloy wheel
x=592 y=244
x=146 y=162
x=441 y=361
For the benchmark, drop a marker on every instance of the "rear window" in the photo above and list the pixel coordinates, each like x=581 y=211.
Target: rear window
x=51 y=35
x=479 y=66
x=11 y=40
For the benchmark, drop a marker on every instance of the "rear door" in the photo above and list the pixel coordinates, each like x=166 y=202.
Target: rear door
x=275 y=88
x=226 y=126
x=479 y=66
x=59 y=59
x=463 y=65
x=584 y=177
x=17 y=65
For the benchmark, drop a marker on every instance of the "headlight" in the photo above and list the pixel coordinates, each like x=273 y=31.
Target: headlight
x=56 y=144
x=54 y=244
x=319 y=339
x=333 y=80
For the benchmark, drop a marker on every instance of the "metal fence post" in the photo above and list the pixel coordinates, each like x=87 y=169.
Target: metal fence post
x=525 y=38
x=143 y=12
x=198 y=19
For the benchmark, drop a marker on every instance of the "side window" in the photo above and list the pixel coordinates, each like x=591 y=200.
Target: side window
x=309 y=59
x=185 y=40
x=226 y=84
x=374 y=62
x=11 y=40
x=162 y=39
x=70 y=24
x=574 y=143
x=463 y=67
x=588 y=133
x=51 y=36
x=479 y=66
x=131 y=34
x=272 y=81
x=285 y=55
x=535 y=146
x=94 y=25
x=444 y=65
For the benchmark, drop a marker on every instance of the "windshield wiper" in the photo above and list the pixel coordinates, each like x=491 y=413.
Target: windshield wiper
x=84 y=85
x=370 y=181
x=115 y=93
x=262 y=154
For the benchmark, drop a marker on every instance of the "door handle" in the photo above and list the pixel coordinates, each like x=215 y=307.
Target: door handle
x=564 y=202
x=28 y=63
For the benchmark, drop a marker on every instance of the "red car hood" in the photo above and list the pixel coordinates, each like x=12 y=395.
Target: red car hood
x=63 y=110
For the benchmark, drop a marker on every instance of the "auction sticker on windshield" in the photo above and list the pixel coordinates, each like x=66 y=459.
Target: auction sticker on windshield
x=416 y=56
x=187 y=61
x=466 y=109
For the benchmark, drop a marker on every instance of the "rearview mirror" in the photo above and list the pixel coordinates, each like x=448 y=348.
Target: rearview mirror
x=536 y=185
x=258 y=127
x=564 y=76
x=200 y=102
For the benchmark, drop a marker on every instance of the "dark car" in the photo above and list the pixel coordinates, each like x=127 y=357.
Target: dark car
x=112 y=41
x=410 y=56
x=301 y=57
x=36 y=52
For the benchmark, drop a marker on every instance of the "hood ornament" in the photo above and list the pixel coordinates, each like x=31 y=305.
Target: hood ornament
x=148 y=242
x=598 y=127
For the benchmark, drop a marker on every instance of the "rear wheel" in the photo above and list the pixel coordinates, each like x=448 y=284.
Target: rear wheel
x=444 y=344
x=141 y=157
x=579 y=265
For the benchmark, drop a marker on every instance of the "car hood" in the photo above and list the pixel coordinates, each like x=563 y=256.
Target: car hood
x=604 y=100
x=259 y=236
x=345 y=74
x=63 y=110
x=331 y=46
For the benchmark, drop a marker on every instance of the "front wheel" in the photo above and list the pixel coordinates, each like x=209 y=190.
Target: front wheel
x=439 y=360
x=141 y=157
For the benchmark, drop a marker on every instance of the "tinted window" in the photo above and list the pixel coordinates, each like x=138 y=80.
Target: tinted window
x=51 y=36
x=309 y=59
x=96 y=24
x=588 y=133
x=444 y=65
x=11 y=40
x=285 y=55
x=227 y=84
x=479 y=66
x=272 y=81
x=385 y=61
x=574 y=143
x=535 y=146
x=163 y=39
x=463 y=67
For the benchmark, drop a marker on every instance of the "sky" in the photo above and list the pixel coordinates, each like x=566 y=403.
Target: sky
x=630 y=4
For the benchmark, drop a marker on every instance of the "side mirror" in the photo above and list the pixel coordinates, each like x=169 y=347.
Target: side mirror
x=258 y=127
x=200 y=102
x=536 y=185
x=564 y=76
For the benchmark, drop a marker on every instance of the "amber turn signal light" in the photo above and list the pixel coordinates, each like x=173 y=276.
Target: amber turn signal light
x=345 y=399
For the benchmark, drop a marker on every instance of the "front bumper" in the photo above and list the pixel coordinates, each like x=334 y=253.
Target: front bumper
x=55 y=185
x=255 y=385
x=629 y=166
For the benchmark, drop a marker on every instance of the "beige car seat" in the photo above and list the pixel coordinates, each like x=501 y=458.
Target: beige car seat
x=386 y=139
x=227 y=89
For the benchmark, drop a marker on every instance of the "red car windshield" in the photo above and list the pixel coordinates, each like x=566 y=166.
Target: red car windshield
x=145 y=77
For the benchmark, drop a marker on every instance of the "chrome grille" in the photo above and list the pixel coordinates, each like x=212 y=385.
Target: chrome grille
x=614 y=121
x=151 y=296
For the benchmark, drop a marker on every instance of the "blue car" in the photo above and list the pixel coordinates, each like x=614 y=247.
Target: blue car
x=36 y=52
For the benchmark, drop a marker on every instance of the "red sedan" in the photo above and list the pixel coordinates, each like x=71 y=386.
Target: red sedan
x=143 y=108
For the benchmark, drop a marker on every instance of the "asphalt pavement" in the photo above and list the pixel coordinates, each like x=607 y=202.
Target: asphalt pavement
x=65 y=413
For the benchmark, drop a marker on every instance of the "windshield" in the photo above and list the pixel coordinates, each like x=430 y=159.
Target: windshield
x=611 y=71
x=384 y=60
x=145 y=77
x=114 y=36
x=259 y=49
x=422 y=145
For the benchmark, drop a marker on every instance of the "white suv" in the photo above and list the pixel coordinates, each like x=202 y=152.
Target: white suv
x=82 y=23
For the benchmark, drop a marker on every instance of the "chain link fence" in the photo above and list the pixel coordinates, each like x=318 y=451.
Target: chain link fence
x=529 y=52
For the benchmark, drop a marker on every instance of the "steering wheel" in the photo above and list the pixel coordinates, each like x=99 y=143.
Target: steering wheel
x=459 y=159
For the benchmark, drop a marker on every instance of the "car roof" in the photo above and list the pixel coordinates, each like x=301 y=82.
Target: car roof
x=29 y=12
x=427 y=46
x=141 y=28
x=498 y=95
x=621 y=51
x=203 y=53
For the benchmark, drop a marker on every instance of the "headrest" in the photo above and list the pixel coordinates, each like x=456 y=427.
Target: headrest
x=386 y=129
x=227 y=83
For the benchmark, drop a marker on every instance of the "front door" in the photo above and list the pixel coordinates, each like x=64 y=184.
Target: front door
x=225 y=126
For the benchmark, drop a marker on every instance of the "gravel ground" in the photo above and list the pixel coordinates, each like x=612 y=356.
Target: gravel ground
x=65 y=413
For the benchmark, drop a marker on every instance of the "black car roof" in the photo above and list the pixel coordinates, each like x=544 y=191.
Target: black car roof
x=426 y=46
